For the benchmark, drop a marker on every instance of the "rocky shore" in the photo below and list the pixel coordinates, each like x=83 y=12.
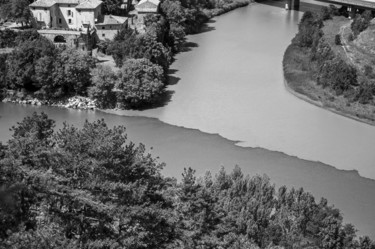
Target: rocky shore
x=76 y=102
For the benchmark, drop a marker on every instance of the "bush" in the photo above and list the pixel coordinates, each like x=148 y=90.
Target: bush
x=338 y=39
x=351 y=37
x=325 y=13
x=364 y=93
x=323 y=52
x=338 y=75
x=309 y=31
x=7 y=38
x=361 y=22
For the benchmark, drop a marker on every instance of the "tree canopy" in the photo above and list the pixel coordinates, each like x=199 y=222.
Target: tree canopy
x=91 y=187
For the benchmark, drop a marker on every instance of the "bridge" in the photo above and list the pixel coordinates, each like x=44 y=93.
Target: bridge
x=352 y=5
x=61 y=37
x=69 y=38
x=359 y=4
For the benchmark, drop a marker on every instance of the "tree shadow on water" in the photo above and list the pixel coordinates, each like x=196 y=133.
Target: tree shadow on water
x=188 y=46
x=206 y=28
x=172 y=80
x=164 y=99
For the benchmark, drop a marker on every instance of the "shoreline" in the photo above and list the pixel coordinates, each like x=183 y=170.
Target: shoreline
x=320 y=104
x=296 y=82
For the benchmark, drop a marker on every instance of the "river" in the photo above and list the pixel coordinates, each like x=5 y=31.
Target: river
x=231 y=83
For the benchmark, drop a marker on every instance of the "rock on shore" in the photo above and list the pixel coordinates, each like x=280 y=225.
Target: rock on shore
x=76 y=102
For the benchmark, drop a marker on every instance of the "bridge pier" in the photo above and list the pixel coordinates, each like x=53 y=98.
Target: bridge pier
x=352 y=11
x=293 y=4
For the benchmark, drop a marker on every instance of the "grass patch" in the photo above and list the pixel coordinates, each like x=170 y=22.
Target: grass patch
x=302 y=82
x=331 y=29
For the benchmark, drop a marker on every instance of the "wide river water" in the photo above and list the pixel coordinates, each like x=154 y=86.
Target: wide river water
x=230 y=83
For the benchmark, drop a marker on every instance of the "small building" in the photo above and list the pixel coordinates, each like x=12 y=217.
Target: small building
x=147 y=7
x=66 y=14
x=108 y=28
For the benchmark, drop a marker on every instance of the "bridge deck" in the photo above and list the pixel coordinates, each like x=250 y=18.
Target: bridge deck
x=59 y=32
x=368 y=4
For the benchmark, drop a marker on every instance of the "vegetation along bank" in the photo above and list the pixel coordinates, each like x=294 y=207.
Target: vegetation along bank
x=33 y=68
x=91 y=187
x=330 y=63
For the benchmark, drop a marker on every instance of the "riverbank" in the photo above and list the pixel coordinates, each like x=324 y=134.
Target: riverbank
x=76 y=102
x=301 y=83
x=226 y=8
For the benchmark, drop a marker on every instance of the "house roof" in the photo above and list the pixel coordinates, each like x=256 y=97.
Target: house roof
x=88 y=4
x=113 y=20
x=43 y=3
x=147 y=5
x=156 y=2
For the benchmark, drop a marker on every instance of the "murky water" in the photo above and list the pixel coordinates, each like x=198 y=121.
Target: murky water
x=231 y=84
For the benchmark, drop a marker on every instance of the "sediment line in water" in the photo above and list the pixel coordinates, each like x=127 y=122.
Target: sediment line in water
x=234 y=142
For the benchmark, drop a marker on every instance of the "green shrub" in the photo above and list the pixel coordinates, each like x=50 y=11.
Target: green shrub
x=338 y=39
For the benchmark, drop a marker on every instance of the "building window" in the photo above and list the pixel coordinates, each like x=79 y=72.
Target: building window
x=103 y=27
x=60 y=20
x=69 y=12
x=110 y=27
x=68 y=5
x=103 y=35
x=70 y=21
x=45 y=8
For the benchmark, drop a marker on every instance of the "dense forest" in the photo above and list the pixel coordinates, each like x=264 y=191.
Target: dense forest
x=91 y=187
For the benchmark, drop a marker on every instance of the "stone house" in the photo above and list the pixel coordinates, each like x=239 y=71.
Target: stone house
x=109 y=26
x=66 y=14
x=145 y=7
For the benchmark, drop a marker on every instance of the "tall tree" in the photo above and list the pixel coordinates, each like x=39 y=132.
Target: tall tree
x=21 y=12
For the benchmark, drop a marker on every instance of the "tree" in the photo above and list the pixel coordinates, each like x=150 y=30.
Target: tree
x=148 y=47
x=21 y=63
x=112 y=7
x=7 y=38
x=102 y=89
x=3 y=73
x=128 y=44
x=325 y=13
x=361 y=22
x=337 y=74
x=91 y=187
x=71 y=74
x=308 y=30
x=21 y=12
x=122 y=45
x=87 y=187
x=5 y=9
x=140 y=83
x=365 y=91
x=44 y=68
